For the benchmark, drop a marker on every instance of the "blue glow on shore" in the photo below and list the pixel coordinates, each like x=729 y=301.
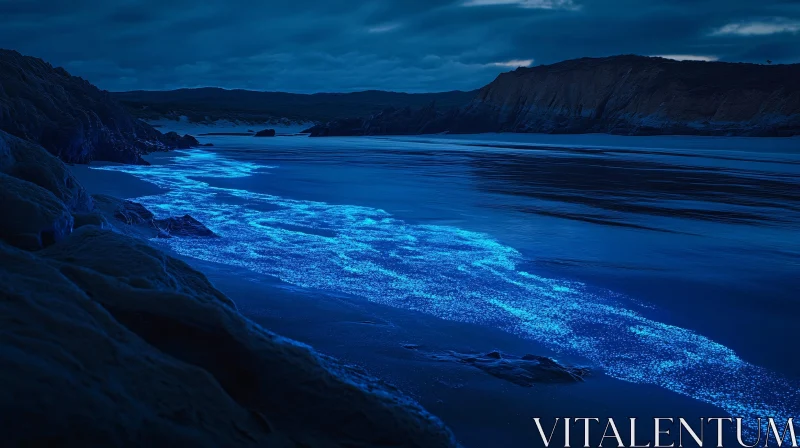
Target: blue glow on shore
x=450 y=273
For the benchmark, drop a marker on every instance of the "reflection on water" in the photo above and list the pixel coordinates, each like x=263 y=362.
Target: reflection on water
x=453 y=230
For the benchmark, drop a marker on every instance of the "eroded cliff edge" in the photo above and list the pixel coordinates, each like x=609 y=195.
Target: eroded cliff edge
x=629 y=95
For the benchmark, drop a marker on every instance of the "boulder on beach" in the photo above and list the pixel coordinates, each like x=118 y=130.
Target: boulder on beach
x=265 y=133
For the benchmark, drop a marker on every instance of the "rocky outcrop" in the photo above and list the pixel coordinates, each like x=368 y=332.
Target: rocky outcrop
x=132 y=218
x=185 y=226
x=74 y=376
x=265 y=133
x=29 y=161
x=175 y=140
x=524 y=371
x=68 y=116
x=32 y=217
x=631 y=95
x=107 y=341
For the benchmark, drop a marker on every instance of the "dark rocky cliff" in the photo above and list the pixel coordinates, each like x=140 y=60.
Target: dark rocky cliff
x=631 y=95
x=68 y=116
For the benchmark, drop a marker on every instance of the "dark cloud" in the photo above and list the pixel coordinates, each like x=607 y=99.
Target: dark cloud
x=406 y=45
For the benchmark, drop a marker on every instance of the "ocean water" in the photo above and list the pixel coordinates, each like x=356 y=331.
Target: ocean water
x=667 y=261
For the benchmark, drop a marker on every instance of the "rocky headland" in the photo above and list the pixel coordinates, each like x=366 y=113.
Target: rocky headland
x=70 y=117
x=628 y=95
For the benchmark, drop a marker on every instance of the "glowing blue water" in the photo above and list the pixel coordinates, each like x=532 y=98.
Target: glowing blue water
x=451 y=273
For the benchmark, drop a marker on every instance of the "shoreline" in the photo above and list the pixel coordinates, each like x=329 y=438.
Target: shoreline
x=372 y=336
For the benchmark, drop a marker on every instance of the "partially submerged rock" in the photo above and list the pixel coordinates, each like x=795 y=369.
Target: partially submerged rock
x=134 y=219
x=133 y=213
x=185 y=226
x=265 y=133
x=524 y=371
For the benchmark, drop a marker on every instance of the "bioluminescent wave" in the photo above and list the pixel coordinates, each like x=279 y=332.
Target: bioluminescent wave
x=450 y=273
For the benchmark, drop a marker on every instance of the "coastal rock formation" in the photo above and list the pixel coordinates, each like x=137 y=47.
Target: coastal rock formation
x=525 y=371
x=29 y=161
x=108 y=341
x=33 y=217
x=132 y=218
x=68 y=116
x=74 y=376
x=184 y=226
x=175 y=140
x=632 y=95
x=265 y=133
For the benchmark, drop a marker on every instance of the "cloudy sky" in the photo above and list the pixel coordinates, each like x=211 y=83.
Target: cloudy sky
x=401 y=45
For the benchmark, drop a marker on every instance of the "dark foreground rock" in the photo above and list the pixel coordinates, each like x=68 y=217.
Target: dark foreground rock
x=68 y=116
x=33 y=217
x=525 y=371
x=107 y=341
x=631 y=95
x=74 y=376
x=265 y=133
x=30 y=162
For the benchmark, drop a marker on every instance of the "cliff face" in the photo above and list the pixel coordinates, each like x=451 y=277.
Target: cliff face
x=67 y=115
x=639 y=95
x=632 y=95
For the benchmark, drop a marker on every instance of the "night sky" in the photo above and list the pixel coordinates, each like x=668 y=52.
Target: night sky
x=401 y=45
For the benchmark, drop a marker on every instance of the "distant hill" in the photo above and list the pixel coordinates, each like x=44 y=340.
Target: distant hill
x=632 y=95
x=211 y=104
